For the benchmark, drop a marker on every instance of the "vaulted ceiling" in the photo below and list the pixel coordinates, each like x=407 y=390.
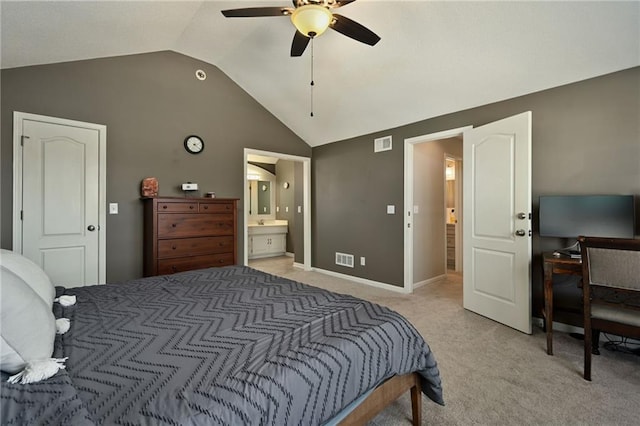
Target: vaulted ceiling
x=435 y=57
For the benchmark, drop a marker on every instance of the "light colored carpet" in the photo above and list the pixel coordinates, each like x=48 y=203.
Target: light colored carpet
x=492 y=374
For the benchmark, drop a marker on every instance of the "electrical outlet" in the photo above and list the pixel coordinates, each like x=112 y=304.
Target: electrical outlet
x=362 y=261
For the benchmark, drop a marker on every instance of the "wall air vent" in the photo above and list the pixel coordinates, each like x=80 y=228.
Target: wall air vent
x=343 y=259
x=382 y=144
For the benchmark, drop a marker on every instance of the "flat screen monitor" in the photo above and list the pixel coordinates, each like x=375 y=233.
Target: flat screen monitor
x=570 y=216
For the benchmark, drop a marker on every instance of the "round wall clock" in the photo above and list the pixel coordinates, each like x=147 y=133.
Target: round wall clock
x=193 y=144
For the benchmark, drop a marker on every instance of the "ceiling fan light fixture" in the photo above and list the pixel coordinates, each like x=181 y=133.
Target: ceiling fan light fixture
x=311 y=20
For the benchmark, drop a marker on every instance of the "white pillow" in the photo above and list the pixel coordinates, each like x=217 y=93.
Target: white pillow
x=30 y=273
x=28 y=325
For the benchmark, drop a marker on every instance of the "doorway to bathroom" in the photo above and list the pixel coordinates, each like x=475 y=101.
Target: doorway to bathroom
x=497 y=248
x=434 y=192
x=277 y=207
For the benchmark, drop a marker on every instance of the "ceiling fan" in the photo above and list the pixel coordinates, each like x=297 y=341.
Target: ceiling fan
x=311 y=18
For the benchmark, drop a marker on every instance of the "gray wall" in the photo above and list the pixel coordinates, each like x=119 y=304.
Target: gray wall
x=586 y=139
x=292 y=197
x=285 y=199
x=149 y=103
x=298 y=200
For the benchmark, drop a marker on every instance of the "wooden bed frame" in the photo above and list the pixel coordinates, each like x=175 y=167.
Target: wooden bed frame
x=384 y=395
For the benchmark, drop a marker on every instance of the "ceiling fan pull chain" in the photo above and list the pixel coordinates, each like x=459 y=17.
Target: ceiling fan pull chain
x=312 y=82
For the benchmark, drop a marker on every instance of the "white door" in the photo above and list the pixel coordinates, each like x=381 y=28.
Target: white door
x=497 y=203
x=62 y=226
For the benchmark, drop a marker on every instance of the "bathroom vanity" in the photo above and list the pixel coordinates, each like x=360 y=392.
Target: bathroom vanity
x=267 y=238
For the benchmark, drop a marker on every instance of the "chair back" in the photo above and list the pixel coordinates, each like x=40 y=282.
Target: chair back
x=613 y=267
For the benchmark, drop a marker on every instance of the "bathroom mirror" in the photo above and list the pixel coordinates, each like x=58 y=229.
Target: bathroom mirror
x=264 y=197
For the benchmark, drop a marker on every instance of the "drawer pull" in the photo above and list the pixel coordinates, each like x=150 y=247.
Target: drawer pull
x=206 y=207
x=173 y=225
x=174 y=269
x=191 y=207
x=173 y=247
x=164 y=207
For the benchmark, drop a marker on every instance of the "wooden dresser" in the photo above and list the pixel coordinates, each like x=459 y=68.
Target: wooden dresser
x=181 y=234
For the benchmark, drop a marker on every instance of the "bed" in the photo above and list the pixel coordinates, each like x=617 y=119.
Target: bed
x=226 y=346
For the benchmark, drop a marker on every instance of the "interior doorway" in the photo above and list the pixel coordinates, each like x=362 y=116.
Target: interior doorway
x=300 y=212
x=427 y=208
x=494 y=219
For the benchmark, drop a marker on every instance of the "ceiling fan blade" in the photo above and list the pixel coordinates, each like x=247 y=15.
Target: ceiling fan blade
x=299 y=44
x=354 y=30
x=251 y=12
x=341 y=3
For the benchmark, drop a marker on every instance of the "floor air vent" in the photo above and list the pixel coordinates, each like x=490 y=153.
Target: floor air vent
x=343 y=259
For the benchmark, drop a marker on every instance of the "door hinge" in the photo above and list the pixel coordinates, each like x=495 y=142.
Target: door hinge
x=22 y=138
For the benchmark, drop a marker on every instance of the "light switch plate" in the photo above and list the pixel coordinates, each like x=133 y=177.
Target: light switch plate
x=391 y=209
x=113 y=208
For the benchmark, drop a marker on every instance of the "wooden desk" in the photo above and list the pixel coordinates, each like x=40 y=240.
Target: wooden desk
x=555 y=265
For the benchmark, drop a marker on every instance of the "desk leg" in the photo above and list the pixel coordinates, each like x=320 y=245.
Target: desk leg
x=548 y=306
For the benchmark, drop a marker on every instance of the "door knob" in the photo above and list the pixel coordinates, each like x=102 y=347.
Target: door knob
x=91 y=228
x=521 y=216
x=521 y=233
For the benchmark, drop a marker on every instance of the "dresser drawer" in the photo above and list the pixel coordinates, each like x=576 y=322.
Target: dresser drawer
x=178 y=207
x=171 y=266
x=194 y=246
x=194 y=225
x=216 y=208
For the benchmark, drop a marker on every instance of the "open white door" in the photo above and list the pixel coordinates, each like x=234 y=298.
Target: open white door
x=497 y=228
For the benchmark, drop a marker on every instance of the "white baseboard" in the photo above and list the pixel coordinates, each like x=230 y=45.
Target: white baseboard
x=298 y=265
x=429 y=281
x=359 y=280
x=289 y=254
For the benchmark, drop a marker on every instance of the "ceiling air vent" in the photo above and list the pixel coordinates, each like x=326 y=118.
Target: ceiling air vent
x=382 y=144
x=343 y=259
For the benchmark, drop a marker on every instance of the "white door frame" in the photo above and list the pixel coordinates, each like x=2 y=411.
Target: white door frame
x=18 y=118
x=306 y=200
x=409 y=145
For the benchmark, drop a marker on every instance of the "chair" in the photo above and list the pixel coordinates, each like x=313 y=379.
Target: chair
x=611 y=290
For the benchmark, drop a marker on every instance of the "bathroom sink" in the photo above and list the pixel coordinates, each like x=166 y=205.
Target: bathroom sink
x=268 y=227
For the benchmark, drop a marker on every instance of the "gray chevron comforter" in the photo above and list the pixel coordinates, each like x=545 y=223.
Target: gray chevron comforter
x=228 y=346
